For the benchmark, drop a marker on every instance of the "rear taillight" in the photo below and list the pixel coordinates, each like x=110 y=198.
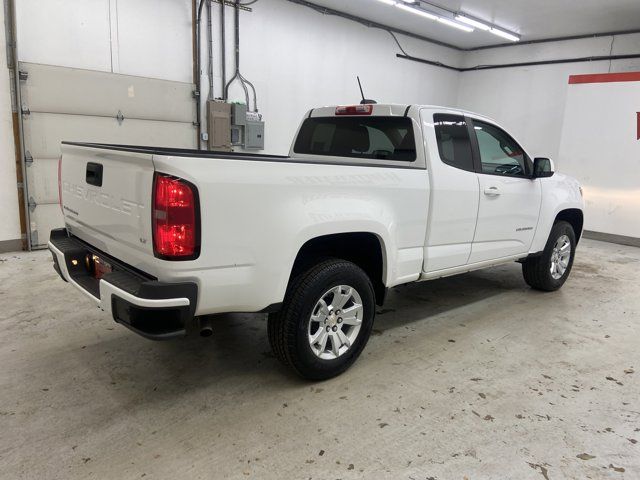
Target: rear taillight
x=60 y=183
x=366 y=109
x=176 y=233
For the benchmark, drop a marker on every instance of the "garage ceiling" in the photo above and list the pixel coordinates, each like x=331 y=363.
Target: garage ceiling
x=533 y=20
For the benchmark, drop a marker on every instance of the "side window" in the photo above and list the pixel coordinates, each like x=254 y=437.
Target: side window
x=499 y=153
x=453 y=141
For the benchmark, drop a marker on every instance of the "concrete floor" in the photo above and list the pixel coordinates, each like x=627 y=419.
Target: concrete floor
x=474 y=377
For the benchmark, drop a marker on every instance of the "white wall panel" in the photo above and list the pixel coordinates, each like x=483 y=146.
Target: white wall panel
x=601 y=148
x=45 y=131
x=68 y=33
x=299 y=59
x=86 y=92
x=82 y=105
x=149 y=38
x=154 y=39
x=530 y=100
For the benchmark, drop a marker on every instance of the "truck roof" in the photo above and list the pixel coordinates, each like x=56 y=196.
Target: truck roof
x=394 y=109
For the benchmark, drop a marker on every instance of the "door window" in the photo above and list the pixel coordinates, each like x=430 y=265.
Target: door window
x=454 y=144
x=499 y=153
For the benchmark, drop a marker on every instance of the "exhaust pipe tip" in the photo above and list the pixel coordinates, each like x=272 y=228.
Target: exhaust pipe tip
x=206 y=330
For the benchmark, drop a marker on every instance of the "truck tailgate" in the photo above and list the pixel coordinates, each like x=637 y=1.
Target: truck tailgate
x=106 y=200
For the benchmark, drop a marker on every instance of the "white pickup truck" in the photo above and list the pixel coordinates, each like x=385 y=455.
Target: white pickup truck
x=370 y=197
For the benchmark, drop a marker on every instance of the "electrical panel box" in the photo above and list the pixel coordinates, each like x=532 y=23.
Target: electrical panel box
x=231 y=125
x=238 y=114
x=219 y=125
x=254 y=135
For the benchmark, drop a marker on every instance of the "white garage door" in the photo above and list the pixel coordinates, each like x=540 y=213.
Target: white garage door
x=61 y=103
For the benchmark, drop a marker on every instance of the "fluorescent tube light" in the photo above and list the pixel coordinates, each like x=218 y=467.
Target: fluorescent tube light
x=474 y=23
x=417 y=11
x=388 y=2
x=503 y=34
x=453 y=24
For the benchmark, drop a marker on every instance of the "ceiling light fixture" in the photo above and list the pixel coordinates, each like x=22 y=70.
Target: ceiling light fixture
x=417 y=11
x=503 y=34
x=460 y=21
x=473 y=22
x=453 y=24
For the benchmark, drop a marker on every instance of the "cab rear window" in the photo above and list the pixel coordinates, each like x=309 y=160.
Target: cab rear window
x=380 y=138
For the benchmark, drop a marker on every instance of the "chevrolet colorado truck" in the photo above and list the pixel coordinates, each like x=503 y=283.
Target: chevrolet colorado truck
x=370 y=197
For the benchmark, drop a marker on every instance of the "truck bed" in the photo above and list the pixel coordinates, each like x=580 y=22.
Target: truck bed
x=255 y=213
x=179 y=152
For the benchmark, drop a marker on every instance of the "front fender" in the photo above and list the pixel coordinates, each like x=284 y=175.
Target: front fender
x=559 y=192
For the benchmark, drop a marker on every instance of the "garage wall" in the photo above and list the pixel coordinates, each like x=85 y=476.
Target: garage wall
x=9 y=212
x=286 y=51
x=530 y=101
x=72 y=104
x=148 y=38
x=299 y=59
x=601 y=148
x=296 y=57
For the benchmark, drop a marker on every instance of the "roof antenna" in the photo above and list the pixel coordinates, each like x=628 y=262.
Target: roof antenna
x=364 y=101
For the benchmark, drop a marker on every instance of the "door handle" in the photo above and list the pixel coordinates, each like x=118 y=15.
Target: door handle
x=492 y=191
x=94 y=174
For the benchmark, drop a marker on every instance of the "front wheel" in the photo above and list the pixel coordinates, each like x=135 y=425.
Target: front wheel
x=325 y=321
x=549 y=271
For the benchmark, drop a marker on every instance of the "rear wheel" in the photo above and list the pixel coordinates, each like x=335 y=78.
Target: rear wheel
x=325 y=321
x=549 y=271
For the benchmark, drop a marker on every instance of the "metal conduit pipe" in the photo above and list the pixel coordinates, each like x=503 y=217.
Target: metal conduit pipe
x=198 y=73
x=237 y=58
x=11 y=22
x=210 y=44
x=243 y=81
x=522 y=64
x=223 y=48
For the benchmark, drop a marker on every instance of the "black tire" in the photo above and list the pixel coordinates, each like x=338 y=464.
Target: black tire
x=537 y=270
x=288 y=328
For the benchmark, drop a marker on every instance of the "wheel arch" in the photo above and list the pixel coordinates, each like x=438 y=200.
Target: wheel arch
x=575 y=218
x=365 y=249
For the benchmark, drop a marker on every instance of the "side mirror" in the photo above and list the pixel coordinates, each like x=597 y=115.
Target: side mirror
x=543 y=167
